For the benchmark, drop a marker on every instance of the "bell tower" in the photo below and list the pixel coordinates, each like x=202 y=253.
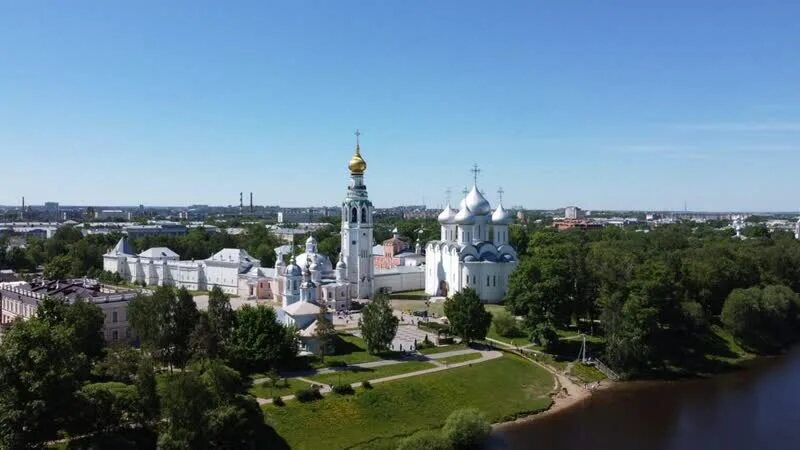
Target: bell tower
x=357 y=228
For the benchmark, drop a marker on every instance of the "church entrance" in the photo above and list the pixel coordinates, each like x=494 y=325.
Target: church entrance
x=443 y=288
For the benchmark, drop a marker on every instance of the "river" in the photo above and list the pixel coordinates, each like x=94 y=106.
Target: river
x=754 y=408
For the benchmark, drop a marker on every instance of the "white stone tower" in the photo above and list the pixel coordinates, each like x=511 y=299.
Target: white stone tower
x=357 y=228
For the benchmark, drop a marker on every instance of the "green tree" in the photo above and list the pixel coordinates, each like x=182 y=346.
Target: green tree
x=325 y=332
x=467 y=316
x=259 y=341
x=165 y=324
x=39 y=375
x=221 y=317
x=763 y=320
x=378 y=324
x=85 y=320
x=466 y=429
x=109 y=406
x=120 y=363
x=425 y=440
x=505 y=324
x=146 y=388
x=58 y=268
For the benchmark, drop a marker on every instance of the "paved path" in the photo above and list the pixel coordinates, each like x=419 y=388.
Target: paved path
x=486 y=355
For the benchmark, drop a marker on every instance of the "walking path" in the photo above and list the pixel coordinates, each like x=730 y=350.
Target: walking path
x=486 y=355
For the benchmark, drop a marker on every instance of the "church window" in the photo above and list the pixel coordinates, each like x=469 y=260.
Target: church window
x=494 y=280
x=354 y=215
x=363 y=215
x=487 y=280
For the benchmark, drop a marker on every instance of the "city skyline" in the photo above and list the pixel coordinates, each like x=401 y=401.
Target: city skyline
x=620 y=106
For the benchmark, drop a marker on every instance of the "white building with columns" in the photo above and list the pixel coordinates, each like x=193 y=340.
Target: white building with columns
x=473 y=250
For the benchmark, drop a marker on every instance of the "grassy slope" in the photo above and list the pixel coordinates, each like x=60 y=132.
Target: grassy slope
x=442 y=349
x=350 y=376
x=459 y=358
x=502 y=389
x=263 y=390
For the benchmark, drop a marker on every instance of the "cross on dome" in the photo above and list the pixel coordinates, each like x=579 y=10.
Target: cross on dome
x=500 y=193
x=475 y=172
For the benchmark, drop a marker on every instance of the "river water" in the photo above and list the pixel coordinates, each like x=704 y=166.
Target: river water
x=755 y=408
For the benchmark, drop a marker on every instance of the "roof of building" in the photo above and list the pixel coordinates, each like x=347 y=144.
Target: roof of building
x=302 y=309
x=158 y=252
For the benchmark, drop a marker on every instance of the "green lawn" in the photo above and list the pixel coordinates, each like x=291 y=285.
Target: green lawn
x=459 y=358
x=519 y=340
x=587 y=374
x=442 y=349
x=263 y=390
x=355 y=374
x=377 y=418
x=351 y=350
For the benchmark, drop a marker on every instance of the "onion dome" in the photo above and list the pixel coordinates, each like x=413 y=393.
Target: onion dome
x=465 y=217
x=357 y=164
x=311 y=240
x=477 y=203
x=341 y=264
x=447 y=216
x=279 y=262
x=501 y=216
x=293 y=270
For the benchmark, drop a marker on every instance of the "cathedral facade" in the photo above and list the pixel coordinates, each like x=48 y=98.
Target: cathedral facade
x=473 y=250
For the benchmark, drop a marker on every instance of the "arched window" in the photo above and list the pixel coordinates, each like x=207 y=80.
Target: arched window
x=363 y=215
x=354 y=215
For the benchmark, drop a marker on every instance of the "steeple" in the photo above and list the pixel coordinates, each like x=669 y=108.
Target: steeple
x=357 y=164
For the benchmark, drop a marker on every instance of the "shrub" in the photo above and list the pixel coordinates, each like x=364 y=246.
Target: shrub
x=343 y=389
x=466 y=429
x=366 y=384
x=337 y=363
x=277 y=401
x=425 y=440
x=506 y=325
x=307 y=395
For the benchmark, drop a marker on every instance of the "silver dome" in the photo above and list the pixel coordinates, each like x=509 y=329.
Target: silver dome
x=447 y=216
x=465 y=217
x=293 y=270
x=502 y=216
x=477 y=203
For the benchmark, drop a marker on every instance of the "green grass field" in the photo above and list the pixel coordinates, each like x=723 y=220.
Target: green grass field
x=351 y=350
x=377 y=418
x=459 y=358
x=263 y=390
x=442 y=349
x=518 y=340
x=587 y=374
x=355 y=375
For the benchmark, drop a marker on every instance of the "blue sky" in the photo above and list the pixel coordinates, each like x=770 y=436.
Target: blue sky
x=603 y=104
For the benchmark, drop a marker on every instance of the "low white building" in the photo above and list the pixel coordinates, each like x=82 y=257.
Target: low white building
x=160 y=266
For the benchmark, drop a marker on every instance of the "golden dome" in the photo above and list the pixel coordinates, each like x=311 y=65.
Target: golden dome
x=357 y=164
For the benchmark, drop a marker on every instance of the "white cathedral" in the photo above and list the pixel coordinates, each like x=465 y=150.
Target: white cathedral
x=473 y=251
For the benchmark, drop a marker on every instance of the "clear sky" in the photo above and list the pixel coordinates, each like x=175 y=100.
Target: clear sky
x=603 y=104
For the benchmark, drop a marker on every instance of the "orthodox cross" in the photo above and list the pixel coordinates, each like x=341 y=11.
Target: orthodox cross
x=475 y=171
x=358 y=135
x=500 y=193
x=447 y=195
x=464 y=191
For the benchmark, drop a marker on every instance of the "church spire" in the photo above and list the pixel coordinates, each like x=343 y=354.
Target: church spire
x=357 y=164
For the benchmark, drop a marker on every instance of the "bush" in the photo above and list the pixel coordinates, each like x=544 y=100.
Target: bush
x=277 y=401
x=466 y=429
x=506 y=325
x=366 y=384
x=307 y=395
x=425 y=440
x=336 y=363
x=343 y=389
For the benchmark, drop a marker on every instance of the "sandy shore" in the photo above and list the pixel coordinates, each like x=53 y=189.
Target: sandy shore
x=566 y=394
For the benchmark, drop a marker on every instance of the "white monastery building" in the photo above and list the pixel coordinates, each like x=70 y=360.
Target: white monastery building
x=465 y=256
